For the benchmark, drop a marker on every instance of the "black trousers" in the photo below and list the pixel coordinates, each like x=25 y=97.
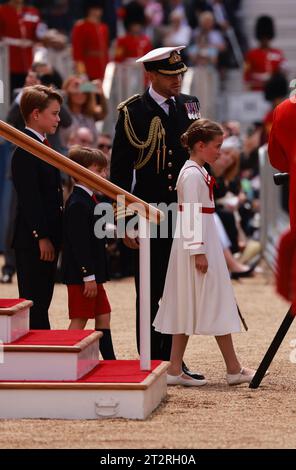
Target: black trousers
x=36 y=282
x=160 y=249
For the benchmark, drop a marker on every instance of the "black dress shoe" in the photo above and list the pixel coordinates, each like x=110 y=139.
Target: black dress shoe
x=239 y=274
x=194 y=375
x=249 y=272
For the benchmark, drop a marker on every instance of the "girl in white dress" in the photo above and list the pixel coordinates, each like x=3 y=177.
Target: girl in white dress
x=198 y=296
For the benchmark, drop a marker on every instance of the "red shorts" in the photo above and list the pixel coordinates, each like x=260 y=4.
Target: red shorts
x=82 y=307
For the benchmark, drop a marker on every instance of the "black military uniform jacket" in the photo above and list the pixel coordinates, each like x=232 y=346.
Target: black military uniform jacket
x=156 y=176
x=83 y=253
x=40 y=200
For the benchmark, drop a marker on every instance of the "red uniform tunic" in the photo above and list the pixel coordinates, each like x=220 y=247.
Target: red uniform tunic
x=260 y=64
x=19 y=31
x=90 y=43
x=130 y=46
x=282 y=155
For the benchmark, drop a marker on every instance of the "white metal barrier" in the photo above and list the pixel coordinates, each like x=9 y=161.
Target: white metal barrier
x=274 y=220
x=4 y=80
x=120 y=82
x=245 y=106
x=203 y=82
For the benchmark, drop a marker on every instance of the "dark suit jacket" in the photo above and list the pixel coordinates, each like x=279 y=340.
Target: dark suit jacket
x=40 y=200
x=151 y=185
x=83 y=253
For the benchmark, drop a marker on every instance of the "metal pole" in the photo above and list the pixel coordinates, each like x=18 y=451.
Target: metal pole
x=272 y=350
x=145 y=307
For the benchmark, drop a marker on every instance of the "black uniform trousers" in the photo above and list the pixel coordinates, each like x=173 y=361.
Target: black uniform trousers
x=36 y=281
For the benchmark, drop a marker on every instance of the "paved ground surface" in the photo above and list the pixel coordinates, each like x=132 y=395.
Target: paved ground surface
x=215 y=416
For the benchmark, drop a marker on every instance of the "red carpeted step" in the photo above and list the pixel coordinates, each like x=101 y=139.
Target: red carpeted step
x=51 y=355
x=8 y=303
x=119 y=371
x=52 y=337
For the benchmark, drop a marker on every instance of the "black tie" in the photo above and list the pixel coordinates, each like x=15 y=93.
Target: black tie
x=172 y=107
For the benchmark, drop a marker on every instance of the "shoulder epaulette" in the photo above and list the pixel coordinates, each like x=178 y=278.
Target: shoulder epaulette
x=129 y=100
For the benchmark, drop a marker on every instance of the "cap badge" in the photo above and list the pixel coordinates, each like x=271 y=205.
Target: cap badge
x=174 y=58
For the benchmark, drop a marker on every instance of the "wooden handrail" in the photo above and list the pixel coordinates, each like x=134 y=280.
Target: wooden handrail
x=82 y=174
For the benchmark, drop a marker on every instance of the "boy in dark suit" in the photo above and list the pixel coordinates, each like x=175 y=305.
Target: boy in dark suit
x=84 y=263
x=38 y=227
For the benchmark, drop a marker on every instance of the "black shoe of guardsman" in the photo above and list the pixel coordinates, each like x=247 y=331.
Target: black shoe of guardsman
x=194 y=375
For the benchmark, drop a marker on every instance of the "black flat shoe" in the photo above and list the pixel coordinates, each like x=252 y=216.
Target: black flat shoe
x=239 y=274
x=194 y=375
x=249 y=272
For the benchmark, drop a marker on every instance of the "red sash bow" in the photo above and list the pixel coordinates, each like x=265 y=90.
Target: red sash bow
x=211 y=182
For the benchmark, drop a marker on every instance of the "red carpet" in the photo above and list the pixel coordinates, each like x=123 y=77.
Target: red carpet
x=53 y=337
x=109 y=372
x=118 y=371
x=8 y=303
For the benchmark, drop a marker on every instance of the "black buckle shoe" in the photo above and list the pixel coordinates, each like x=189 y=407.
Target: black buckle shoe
x=194 y=375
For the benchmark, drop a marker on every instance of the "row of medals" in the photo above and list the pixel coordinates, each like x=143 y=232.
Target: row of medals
x=192 y=110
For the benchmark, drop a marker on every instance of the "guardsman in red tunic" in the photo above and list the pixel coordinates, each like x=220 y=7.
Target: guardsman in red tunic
x=134 y=44
x=90 y=41
x=20 y=27
x=262 y=62
x=282 y=155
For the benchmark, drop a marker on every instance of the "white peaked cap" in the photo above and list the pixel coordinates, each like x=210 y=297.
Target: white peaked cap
x=159 y=54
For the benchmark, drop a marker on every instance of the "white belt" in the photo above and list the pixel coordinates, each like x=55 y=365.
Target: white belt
x=18 y=42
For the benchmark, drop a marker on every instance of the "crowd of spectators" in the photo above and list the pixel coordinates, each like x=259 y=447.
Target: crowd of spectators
x=99 y=31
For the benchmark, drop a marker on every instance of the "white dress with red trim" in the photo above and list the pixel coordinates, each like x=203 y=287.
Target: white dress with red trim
x=192 y=302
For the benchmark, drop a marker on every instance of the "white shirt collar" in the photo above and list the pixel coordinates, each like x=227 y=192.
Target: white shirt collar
x=89 y=191
x=40 y=136
x=160 y=100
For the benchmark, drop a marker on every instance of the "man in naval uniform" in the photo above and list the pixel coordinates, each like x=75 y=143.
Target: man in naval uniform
x=147 y=140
